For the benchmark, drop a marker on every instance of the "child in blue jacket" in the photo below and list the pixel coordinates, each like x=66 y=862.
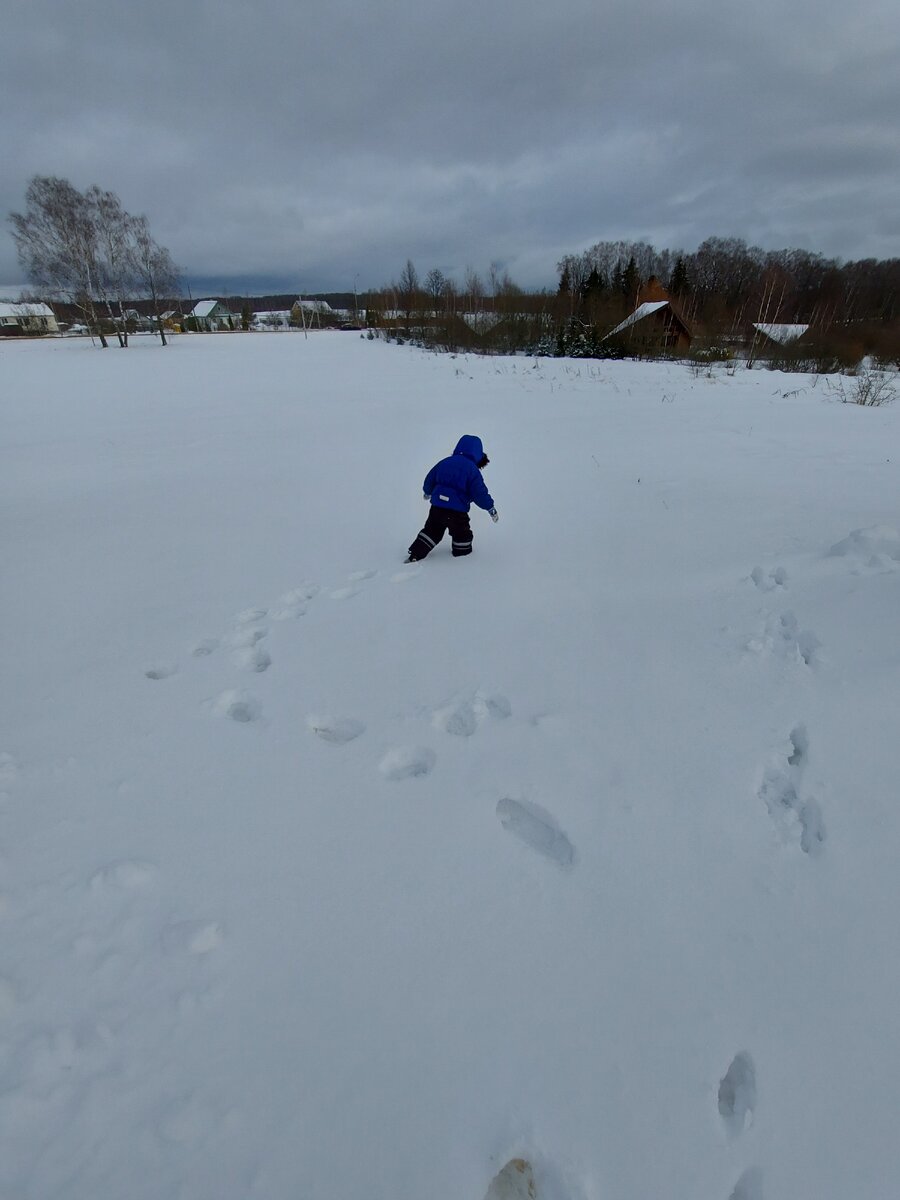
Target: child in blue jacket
x=451 y=486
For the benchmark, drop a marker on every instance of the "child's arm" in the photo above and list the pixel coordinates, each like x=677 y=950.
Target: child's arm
x=479 y=493
x=428 y=485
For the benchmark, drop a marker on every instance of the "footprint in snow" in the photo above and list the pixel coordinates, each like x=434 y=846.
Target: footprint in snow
x=462 y=717
x=405 y=762
x=344 y=593
x=514 y=1182
x=249 y=616
x=796 y=817
x=457 y=718
x=237 y=705
x=406 y=576
x=204 y=648
x=161 y=670
x=492 y=704
x=246 y=636
x=783 y=637
x=335 y=729
x=253 y=658
x=749 y=1186
x=293 y=604
x=876 y=548
x=737 y=1095
x=768 y=581
x=360 y=576
x=537 y=829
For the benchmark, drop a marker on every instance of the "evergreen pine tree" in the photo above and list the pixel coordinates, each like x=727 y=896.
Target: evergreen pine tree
x=593 y=285
x=631 y=281
x=678 y=284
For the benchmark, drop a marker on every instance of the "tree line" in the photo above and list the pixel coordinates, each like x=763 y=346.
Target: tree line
x=721 y=289
x=725 y=281
x=84 y=248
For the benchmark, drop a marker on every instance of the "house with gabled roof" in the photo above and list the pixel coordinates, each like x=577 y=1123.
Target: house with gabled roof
x=212 y=315
x=656 y=325
x=781 y=333
x=26 y=318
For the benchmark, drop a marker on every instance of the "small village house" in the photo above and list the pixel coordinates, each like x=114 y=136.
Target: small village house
x=780 y=334
x=211 y=316
x=21 y=318
x=311 y=312
x=656 y=326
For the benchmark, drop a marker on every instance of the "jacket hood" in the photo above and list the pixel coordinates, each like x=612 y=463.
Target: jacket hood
x=471 y=447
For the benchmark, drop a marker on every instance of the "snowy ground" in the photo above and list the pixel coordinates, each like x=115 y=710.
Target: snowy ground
x=324 y=876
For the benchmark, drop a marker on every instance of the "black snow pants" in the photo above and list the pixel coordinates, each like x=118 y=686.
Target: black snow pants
x=439 y=520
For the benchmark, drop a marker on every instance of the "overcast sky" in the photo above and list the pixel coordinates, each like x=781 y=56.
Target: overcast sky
x=310 y=144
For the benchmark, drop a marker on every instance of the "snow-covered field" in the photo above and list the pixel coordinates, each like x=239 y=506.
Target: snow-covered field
x=324 y=876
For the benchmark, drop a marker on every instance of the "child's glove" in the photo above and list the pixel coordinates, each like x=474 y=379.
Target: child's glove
x=427 y=498
x=495 y=516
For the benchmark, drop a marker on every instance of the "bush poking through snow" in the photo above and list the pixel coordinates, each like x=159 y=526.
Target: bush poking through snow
x=869 y=388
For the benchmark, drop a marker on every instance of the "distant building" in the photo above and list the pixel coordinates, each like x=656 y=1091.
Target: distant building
x=305 y=312
x=26 y=318
x=782 y=334
x=654 y=326
x=212 y=315
x=138 y=322
x=273 y=318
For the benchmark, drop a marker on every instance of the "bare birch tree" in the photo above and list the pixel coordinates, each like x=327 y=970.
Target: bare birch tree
x=86 y=249
x=114 y=258
x=56 y=240
x=154 y=269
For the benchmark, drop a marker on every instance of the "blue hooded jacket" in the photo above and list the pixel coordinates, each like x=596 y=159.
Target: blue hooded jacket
x=456 y=482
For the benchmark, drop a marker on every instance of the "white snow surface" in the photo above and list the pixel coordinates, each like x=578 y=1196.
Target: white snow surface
x=325 y=876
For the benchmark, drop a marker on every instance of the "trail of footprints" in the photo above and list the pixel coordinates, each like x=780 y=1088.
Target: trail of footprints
x=531 y=825
x=796 y=814
x=795 y=811
x=780 y=633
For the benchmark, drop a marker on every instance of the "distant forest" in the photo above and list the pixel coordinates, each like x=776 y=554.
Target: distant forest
x=720 y=290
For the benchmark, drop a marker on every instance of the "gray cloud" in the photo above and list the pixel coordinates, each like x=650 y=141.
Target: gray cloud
x=311 y=144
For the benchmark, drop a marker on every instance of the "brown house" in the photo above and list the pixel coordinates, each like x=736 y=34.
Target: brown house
x=656 y=326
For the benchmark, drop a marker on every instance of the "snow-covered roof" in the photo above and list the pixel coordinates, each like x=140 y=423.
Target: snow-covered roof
x=314 y=305
x=482 y=322
x=203 y=308
x=8 y=309
x=642 y=310
x=781 y=333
